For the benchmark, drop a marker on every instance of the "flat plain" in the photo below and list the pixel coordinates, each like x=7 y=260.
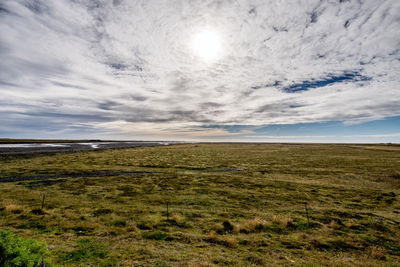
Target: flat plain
x=208 y=205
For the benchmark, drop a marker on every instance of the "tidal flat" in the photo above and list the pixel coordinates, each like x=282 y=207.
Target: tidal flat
x=208 y=204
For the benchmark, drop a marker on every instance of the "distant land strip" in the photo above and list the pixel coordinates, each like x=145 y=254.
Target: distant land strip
x=74 y=175
x=98 y=174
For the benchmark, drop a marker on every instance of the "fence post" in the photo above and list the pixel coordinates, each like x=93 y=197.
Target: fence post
x=308 y=218
x=44 y=195
x=167 y=212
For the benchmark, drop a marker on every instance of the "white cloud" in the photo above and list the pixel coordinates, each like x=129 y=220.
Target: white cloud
x=130 y=64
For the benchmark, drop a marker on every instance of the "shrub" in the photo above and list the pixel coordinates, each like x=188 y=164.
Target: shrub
x=88 y=250
x=228 y=227
x=212 y=237
x=118 y=223
x=82 y=230
x=282 y=221
x=253 y=226
x=100 y=212
x=38 y=212
x=378 y=253
x=158 y=235
x=18 y=251
x=16 y=209
x=230 y=241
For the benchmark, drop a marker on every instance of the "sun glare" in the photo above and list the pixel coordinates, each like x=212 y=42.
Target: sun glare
x=207 y=45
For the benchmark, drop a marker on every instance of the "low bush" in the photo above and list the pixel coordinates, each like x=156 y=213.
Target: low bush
x=100 y=212
x=158 y=235
x=87 y=250
x=18 y=251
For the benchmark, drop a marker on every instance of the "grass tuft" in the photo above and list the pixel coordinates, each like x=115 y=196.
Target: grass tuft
x=158 y=235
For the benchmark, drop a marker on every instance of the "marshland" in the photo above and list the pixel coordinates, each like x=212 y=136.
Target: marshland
x=207 y=205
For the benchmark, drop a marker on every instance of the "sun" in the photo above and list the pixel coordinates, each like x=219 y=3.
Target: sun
x=207 y=45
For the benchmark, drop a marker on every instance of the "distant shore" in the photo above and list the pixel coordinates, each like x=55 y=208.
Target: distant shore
x=28 y=146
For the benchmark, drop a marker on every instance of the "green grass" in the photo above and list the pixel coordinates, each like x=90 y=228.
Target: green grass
x=18 y=251
x=229 y=204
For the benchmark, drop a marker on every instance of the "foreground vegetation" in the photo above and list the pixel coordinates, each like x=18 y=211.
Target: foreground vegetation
x=228 y=204
x=18 y=251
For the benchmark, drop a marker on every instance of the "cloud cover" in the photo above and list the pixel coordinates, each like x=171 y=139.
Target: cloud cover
x=126 y=68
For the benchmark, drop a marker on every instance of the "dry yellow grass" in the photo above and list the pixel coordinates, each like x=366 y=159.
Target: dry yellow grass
x=229 y=205
x=378 y=253
x=230 y=241
x=282 y=220
x=14 y=208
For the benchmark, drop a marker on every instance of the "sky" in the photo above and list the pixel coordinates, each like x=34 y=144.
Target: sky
x=201 y=70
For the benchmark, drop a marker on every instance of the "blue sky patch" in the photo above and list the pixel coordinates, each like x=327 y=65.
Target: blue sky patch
x=329 y=80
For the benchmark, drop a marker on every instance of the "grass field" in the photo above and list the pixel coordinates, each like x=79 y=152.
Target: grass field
x=228 y=204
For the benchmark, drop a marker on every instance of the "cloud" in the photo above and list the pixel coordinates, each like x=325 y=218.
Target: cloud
x=129 y=64
x=170 y=131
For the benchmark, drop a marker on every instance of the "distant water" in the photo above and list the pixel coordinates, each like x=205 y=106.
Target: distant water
x=95 y=145
x=33 y=145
